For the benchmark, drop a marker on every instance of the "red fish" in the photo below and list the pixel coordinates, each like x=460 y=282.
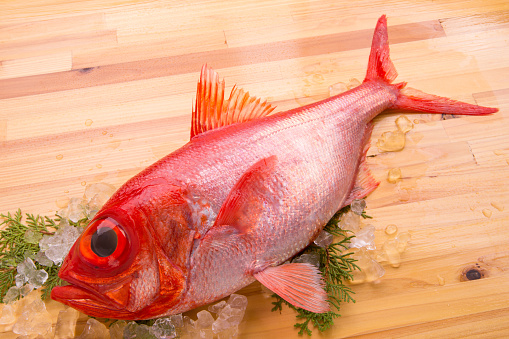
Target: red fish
x=245 y=194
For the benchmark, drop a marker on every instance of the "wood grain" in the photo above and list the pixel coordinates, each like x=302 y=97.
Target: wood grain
x=94 y=91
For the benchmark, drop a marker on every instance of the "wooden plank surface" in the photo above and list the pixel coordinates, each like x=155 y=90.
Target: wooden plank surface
x=95 y=91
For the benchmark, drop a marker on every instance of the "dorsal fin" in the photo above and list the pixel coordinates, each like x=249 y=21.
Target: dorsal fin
x=213 y=111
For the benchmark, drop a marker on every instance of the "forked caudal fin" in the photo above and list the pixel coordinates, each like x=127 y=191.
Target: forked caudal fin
x=380 y=68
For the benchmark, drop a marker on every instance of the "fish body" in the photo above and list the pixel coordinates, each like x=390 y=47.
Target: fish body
x=248 y=192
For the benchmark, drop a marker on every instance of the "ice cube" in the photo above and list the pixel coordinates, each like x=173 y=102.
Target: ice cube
x=374 y=271
x=177 y=320
x=220 y=325
x=8 y=314
x=164 y=328
x=76 y=209
x=357 y=206
x=391 y=251
x=238 y=301
x=101 y=189
x=34 y=320
x=324 y=239
x=217 y=307
x=190 y=329
x=350 y=221
x=46 y=242
x=32 y=237
x=404 y=124
x=43 y=260
x=57 y=246
x=94 y=330
x=391 y=141
x=143 y=332
x=11 y=295
x=226 y=325
x=312 y=258
x=69 y=234
x=57 y=253
x=37 y=278
x=364 y=238
x=370 y=269
x=66 y=323
x=206 y=333
x=394 y=175
x=96 y=196
x=205 y=319
x=231 y=315
x=20 y=280
x=26 y=289
x=26 y=266
x=402 y=241
x=63 y=223
x=117 y=329
x=130 y=330
x=357 y=276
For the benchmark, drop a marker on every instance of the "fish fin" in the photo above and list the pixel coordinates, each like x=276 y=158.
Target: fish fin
x=365 y=182
x=300 y=284
x=245 y=202
x=212 y=110
x=415 y=100
x=381 y=68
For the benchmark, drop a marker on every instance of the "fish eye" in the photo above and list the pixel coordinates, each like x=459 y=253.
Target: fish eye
x=103 y=240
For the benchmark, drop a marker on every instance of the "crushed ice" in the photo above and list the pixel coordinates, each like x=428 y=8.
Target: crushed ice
x=54 y=248
x=363 y=246
x=221 y=321
x=324 y=239
x=312 y=258
x=28 y=278
x=34 y=320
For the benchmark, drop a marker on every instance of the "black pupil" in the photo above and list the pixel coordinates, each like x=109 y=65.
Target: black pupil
x=104 y=242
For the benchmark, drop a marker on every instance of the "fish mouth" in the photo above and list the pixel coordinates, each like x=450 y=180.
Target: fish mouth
x=88 y=302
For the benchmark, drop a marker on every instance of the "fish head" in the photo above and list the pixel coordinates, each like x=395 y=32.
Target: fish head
x=117 y=269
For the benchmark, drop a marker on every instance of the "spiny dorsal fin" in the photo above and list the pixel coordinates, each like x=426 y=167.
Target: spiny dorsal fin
x=213 y=111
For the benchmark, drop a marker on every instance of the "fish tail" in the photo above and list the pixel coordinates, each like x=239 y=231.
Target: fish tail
x=381 y=68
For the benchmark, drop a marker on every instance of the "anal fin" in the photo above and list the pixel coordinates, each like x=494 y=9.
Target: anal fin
x=364 y=183
x=298 y=283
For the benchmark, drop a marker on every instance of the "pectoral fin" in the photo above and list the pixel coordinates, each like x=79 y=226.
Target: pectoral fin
x=298 y=283
x=249 y=197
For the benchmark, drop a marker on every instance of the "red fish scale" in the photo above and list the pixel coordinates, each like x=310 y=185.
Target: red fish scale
x=317 y=148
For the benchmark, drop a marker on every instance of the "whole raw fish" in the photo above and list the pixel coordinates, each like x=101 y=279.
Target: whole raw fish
x=248 y=191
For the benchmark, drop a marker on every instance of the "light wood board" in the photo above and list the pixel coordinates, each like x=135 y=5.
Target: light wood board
x=94 y=91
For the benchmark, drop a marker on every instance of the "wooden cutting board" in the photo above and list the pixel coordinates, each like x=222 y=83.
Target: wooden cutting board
x=94 y=91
